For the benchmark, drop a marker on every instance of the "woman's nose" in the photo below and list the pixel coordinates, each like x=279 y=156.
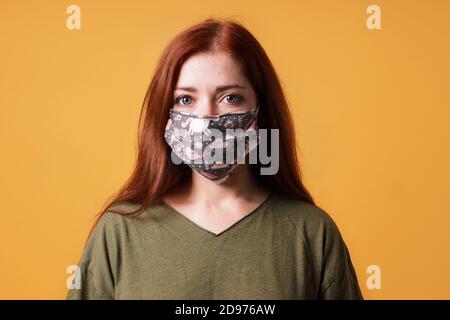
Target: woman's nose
x=206 y=109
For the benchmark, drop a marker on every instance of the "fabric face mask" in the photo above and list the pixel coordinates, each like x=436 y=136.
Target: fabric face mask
x=212 y=145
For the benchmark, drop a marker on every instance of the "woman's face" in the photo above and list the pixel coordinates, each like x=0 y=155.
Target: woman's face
x=212 y=83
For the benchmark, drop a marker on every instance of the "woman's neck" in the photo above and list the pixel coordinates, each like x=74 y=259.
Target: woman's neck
x=242 y=184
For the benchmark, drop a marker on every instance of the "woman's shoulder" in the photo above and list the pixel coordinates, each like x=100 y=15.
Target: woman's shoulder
x=316 y=227
x=123 y=215
x=301 y=210
x=115 y=224
x=311 y=219
x=117 y=214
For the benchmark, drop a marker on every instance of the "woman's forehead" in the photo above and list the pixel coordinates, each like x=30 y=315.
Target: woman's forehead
x=210 y=69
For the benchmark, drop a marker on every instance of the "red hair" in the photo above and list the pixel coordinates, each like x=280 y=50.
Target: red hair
x=154 y=173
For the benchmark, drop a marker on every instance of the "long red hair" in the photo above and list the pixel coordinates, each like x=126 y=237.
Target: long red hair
x=154 y=173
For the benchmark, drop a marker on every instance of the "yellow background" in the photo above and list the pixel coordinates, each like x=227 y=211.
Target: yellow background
x=371 y=107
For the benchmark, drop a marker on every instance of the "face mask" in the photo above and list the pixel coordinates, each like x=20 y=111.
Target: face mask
x=196 y=139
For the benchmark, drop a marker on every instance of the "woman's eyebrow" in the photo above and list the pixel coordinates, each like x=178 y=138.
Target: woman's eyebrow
x=218 y=89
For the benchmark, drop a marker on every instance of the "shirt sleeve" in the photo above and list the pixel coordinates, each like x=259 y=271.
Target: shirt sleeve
x=97 y=264
x=339 y=277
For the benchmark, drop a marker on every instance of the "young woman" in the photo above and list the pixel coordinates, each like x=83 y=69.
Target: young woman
x=214 y=230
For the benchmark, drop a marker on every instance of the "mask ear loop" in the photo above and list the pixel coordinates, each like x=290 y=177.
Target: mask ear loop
x=256 y=113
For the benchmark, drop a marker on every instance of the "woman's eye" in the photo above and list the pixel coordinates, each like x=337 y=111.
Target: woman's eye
x=183 y=100
x=235 y=98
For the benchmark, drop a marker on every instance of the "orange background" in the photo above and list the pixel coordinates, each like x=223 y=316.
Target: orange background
x=371 y=107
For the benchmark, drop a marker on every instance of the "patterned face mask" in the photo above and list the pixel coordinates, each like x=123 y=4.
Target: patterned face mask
x=212 y=145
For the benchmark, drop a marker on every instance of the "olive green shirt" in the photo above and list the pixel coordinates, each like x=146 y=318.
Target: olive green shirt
x=284 y=249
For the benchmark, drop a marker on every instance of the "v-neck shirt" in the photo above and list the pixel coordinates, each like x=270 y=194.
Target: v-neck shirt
x=285 y=248
x=201 y=229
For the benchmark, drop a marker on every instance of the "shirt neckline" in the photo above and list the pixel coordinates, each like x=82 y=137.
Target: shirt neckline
x=209 y=233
